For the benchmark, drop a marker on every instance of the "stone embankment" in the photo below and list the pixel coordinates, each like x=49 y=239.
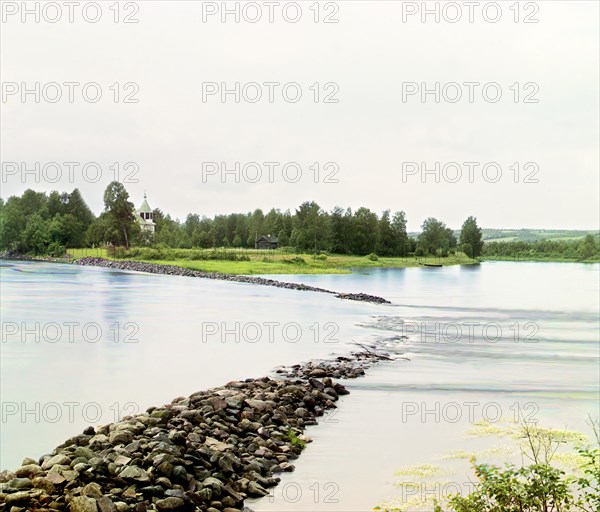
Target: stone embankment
x=172 y=270
x=207 y=452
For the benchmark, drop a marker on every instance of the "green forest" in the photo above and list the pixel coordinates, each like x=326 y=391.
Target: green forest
x=37 y=223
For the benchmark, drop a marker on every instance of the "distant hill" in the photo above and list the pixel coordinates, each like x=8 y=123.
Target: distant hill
x=526 y=235
x=533 y=235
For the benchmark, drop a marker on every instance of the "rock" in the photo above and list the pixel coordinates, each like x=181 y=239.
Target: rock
x=258 y=405
x=6 y=476
x=17 y=484
x=301 y=412
x=55 y=478
x=171 y=503
x=252 y=426
x=121 y=460
x=57 y=459
x=83 y=504
x=165 y=468
x=217 y=403
x=43 y=483
x=152 y=491
x=256 y=490
x=341 y=390
x=215 y=444
x=92 y=490
x=81 y=467
x=163 y=415
x=205 y=494
x=129 y=493
x=331 y=392
x=317 y=384
x=134 y=473
x=286 y=466
x=228 y=462
x=176 y=493
x=69 y=475
x=179 y=473
x=17 y=497
x=82 y=451
x=105 y=504
x=214 y=484
x=120 y=437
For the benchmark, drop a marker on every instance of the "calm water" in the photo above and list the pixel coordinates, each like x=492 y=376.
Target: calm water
x=497 y=342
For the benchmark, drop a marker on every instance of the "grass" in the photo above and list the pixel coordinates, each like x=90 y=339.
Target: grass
x=99 y=252
x=282 y=262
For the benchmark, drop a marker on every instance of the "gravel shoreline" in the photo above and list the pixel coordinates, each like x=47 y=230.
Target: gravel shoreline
x=207 y=452
x=172 y=270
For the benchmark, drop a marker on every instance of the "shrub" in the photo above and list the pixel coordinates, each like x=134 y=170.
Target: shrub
x=296 y=260
x=56 y=250
x=295 y=440
x=536 y=487
x=373 y=257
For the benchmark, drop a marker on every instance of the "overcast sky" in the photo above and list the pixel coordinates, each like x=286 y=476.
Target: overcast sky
x=368 y=58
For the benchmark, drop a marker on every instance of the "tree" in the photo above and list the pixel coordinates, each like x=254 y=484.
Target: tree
x=364 y=225
x=402 y=243
x=35 y=238
x=339 y=225
x=76 y=206
x=121 y=211
x=34 y=202
x=587 y=248
x=471 y=241
x=57 y=203
x=192 y=223
x=12 y=223
x=435 y=236
x=273 y=222
x=282 y=236
x=67 y=230
x=255 y=226
x=386 y=243
x=310 y=227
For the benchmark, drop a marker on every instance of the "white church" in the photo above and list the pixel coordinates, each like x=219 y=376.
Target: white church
x=144 y=217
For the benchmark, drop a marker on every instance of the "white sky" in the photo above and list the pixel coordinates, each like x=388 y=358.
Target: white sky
x=369 y=133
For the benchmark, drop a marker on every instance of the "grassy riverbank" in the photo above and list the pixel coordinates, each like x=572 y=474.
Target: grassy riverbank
x=233 y=261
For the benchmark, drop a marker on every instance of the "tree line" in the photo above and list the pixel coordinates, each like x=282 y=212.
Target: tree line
x=587 y=248
x=37 y=223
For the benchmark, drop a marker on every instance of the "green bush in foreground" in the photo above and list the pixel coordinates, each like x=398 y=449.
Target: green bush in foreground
x=538 y=487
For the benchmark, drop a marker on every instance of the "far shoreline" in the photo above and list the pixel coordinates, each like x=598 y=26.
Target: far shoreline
x=356 y=264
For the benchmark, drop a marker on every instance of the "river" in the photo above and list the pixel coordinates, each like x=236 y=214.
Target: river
x=486 y=344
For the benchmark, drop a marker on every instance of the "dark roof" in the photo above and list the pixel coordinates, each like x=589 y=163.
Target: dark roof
x=268 y=238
